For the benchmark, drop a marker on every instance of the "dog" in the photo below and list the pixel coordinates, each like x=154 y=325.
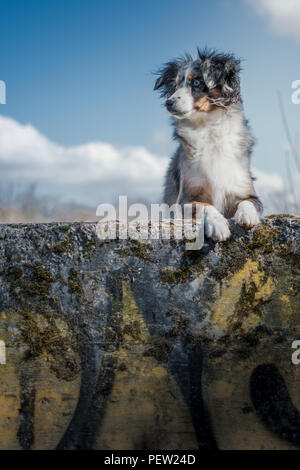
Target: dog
x=212 y=163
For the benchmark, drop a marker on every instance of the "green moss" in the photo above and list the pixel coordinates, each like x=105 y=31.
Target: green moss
x=175 y=276
x=267 y=240
x=193 y=263
x=263 y=239
x=138 y=249
x=289 y=253
x=245 y=303
x=180 y=322
x=229 y=266
x=279 y=216
x=133 y=330
x=64 y=228
x=159 y=348
x=57 y=349
x=89 y=247
x=169 y=276
x=14 y=273
x=39 y=281
x=233 y=258
x=61 y=247
x=74 y=282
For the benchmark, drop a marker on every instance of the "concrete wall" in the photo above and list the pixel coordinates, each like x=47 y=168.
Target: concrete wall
x=130 y=345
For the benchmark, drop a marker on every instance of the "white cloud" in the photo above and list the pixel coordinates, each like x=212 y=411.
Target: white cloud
x=268 y=182
x=283 y=15
x=97 y=172
x=27 y=155
x=274 y=193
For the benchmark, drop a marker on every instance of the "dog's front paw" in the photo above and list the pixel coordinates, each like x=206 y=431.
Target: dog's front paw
x=247 y=214
x=216 y=226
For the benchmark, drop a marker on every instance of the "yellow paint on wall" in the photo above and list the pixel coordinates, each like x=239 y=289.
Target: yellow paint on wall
x=55 y=399
x=55 y=404
x=145 y=409
x=9 y=402
x=226 y=304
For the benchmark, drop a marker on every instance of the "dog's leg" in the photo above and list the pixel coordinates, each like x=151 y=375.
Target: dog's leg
x=216 y=226
x=247 y=213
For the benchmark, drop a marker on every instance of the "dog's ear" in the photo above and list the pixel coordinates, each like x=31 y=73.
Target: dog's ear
x=159 y=82
x=221 y=71
x=231 y=80
x=167 y=78
x=203 y=54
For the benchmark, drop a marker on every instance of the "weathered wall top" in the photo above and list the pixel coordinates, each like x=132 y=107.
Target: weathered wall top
x=144 y=345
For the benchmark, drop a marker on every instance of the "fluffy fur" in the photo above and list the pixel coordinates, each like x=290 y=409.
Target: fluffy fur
x=211 y=164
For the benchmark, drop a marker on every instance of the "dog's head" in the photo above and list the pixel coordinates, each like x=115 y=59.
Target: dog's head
x=199 y=86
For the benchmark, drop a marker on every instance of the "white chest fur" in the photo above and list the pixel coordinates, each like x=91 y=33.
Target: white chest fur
x=218 y=154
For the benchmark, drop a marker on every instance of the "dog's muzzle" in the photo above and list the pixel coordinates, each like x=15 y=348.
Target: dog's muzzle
x=170 y=104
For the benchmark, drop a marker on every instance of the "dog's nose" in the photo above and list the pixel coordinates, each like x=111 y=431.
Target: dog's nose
x=169 y=103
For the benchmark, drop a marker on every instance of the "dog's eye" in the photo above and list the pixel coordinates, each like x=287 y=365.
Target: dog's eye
x=196 y=82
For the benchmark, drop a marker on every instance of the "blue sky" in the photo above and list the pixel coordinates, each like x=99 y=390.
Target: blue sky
x=81 y=70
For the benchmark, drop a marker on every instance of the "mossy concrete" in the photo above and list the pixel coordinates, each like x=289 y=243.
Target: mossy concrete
x=144 y=345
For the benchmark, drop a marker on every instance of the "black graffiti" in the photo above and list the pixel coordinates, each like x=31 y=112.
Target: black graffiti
x=189 y=380
x=272 y=402
x=25 y=432
x=183 y=360
x=97 y=378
